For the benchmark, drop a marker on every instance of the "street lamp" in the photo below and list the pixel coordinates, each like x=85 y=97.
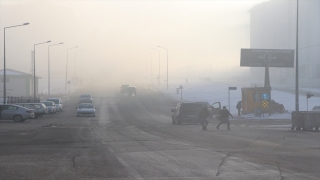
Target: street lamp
x=4 y=61
x=75 y=61
x=34 y=69
x=65 y=88
x=167 y=67
x=159 y=64
x=49 y=66
x=297 y=64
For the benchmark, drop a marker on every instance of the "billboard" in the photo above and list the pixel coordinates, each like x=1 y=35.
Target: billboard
x=267 y=58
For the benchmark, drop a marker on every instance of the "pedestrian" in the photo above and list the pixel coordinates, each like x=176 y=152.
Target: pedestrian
x=203 y=116
x=224 y=117
x=1 y=108
x=239 y=106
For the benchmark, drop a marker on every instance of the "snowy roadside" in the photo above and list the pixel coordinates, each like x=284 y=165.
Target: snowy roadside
x=199 y=90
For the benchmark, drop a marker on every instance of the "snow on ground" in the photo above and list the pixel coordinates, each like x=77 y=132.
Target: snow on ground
x=200 y=90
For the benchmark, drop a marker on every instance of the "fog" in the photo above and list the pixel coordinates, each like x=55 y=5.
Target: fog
x=116 y=37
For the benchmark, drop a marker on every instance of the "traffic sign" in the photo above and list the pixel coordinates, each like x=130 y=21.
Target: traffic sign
x=264 y=104
x=232 y=88
x=265 y=96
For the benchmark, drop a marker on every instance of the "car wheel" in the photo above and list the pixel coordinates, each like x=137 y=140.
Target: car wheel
x=36 y=117
x=17 y=118
x=179 y=122
x=77 y=115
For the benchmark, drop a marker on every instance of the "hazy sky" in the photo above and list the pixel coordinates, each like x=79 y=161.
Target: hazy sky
x=117 y=36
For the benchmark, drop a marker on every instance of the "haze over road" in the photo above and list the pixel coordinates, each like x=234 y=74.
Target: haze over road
x=133 y=138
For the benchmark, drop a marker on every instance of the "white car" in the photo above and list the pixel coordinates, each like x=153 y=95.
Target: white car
x=50 y=105
x=58 y=103
x=86 y=109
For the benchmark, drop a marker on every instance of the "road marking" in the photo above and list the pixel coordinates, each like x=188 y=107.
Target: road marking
x=130 y=169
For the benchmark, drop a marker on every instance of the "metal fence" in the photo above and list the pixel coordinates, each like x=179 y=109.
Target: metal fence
x=13 y=100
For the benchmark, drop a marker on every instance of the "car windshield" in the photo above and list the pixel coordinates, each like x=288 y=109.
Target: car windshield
x=86 y=106
x=56 y=101
x=191 y=107
x=48 y=103
x=85 y=96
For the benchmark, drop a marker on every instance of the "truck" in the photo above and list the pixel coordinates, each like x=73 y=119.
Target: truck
x=305 y=120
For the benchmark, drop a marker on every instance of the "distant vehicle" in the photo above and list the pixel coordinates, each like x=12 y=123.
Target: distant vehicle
x=57 y=102
x=131 y=90
x=123 y=88
x=189 y=111
x=15 y=112
x=39 y=108
x=50 y=105
x=85 y=98
x=316 y=108
x=86 y=109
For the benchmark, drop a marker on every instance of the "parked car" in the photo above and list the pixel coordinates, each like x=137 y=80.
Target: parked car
x=316 y=108
x=39 y=108
x=189 y=111
x=123 y=88
x=131 y=90
x=50 y=105
x=85 y=98
x=86 y=109
x=57 y=102
x=15 y=112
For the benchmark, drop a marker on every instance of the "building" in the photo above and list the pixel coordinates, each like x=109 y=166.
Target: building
x=18 y=83
x=273 y=26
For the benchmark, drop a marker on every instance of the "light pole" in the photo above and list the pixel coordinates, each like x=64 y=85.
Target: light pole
x=159 y=66
x=167 y=66
x=65 y=88
x=75 y=62
x=4 y=61
x=297 y=64
x=34 y=69
x=49 y=65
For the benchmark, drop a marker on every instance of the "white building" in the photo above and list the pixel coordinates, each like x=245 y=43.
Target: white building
x=273 y=26
x=18 y=83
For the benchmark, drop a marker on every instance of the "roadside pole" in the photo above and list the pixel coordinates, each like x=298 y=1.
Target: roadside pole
x=230 y=88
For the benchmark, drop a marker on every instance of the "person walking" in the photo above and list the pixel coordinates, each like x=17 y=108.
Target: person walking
x=239 y=106
x=203 y=115
x=224 y=117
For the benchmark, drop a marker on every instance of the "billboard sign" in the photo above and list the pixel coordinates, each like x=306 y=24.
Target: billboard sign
x=267 y=58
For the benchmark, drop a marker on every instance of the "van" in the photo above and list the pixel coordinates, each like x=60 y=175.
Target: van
x=189 y=111
x=58 y=103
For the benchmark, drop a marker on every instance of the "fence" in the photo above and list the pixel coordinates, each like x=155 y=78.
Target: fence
x=13 y=100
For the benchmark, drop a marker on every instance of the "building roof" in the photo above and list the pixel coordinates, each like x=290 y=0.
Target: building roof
x=11 y=72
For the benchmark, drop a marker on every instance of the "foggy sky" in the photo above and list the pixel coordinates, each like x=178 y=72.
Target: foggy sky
x=117 y=36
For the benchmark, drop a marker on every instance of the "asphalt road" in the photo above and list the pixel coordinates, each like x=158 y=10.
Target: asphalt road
x=132 y=137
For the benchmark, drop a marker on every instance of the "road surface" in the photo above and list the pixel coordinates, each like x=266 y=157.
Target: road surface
x=132 y=137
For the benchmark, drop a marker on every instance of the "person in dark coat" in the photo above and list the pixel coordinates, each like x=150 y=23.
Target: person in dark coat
x=239 y=106
x=224 y=117
x=203 y=115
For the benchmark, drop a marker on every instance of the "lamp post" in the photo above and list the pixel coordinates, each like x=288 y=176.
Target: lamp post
x=297 y=64
x=75 y=62
x=159 y=66
x=49 y=65
x=4 y=61
x=34 y=69
x=65 y=88
x=167 y=66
